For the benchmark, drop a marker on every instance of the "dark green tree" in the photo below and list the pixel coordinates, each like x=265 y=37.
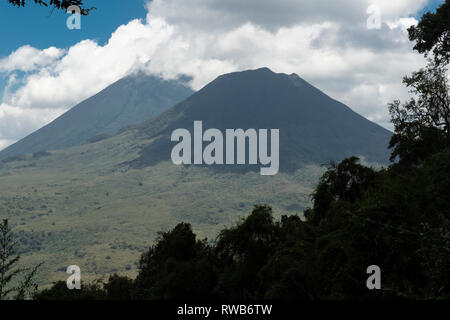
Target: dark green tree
x=345 y=182
x=178 y=266
x=422 y=125
x=57 y=4
x=242 y=251
x=432 y=33
x=119 y=288
x=11 y=285
x=59 y=291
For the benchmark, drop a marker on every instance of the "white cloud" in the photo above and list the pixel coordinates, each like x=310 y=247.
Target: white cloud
x=27 y=58
x=4 y=143
x=14 y=120
x=326 y=43
x=269 y=14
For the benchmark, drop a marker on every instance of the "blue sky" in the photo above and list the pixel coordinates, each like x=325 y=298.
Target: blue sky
x=41 y=28
x=432 y=5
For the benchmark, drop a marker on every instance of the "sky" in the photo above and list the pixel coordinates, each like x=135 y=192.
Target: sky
x=356 y=51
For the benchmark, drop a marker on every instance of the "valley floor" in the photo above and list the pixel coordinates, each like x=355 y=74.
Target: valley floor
x=80 y=206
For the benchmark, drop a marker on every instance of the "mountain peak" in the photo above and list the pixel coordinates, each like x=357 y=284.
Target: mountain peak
x=264 y=74
x=264 y=69
x=314 y=128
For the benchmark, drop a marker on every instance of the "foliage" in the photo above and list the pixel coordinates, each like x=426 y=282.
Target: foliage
x=41 y=154
x=397 y=220
x=178 y=266
x=59 y=291
x=422 y=125
x=20 y=157
x=58 y=4
x=342 y=182
x=432 y=33
x=10 y=285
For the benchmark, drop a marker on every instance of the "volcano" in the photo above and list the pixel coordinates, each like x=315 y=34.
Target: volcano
x=313 y=127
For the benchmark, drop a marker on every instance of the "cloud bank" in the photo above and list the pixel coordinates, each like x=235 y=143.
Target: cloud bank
x=325 y=42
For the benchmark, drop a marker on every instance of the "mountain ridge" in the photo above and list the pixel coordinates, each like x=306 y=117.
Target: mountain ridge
x=263 y=99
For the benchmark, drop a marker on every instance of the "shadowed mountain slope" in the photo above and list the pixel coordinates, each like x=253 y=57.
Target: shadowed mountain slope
x=314 y=128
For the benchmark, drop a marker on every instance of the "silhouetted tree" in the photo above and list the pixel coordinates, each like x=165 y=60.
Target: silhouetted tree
x=58 y=4
x=242 y=251
x=178 y=266
x=119 y=288
x=422 y=125
x=346 y=181
x=59 y=291
x=432 y=33
x=10 y=284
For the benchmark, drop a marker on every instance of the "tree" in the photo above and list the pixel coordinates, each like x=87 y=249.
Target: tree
x=116 y=288
x=432 y=33
x=8 y=271
x=345 y=181
x=119 y=288
x=178 y=266
x=422 y=125
x=59 y=291
x=242 y=251
x=57 y=4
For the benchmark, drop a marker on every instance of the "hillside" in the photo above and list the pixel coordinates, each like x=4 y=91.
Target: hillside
x=126 y=102
x=314 y=128
x=81 y=206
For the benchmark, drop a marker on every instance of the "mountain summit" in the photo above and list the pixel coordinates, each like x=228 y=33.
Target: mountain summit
x=126 y=102
x=314 y=128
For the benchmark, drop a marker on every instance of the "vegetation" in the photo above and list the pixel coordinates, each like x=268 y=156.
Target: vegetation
x=21 y=157
x=422 y=125
x=375 y=219
x=41 y=154
x=432 y=34
x=10 y=286
x=79 y=205
x=56 y=4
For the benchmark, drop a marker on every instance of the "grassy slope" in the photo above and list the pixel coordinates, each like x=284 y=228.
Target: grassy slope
x=79 y=206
